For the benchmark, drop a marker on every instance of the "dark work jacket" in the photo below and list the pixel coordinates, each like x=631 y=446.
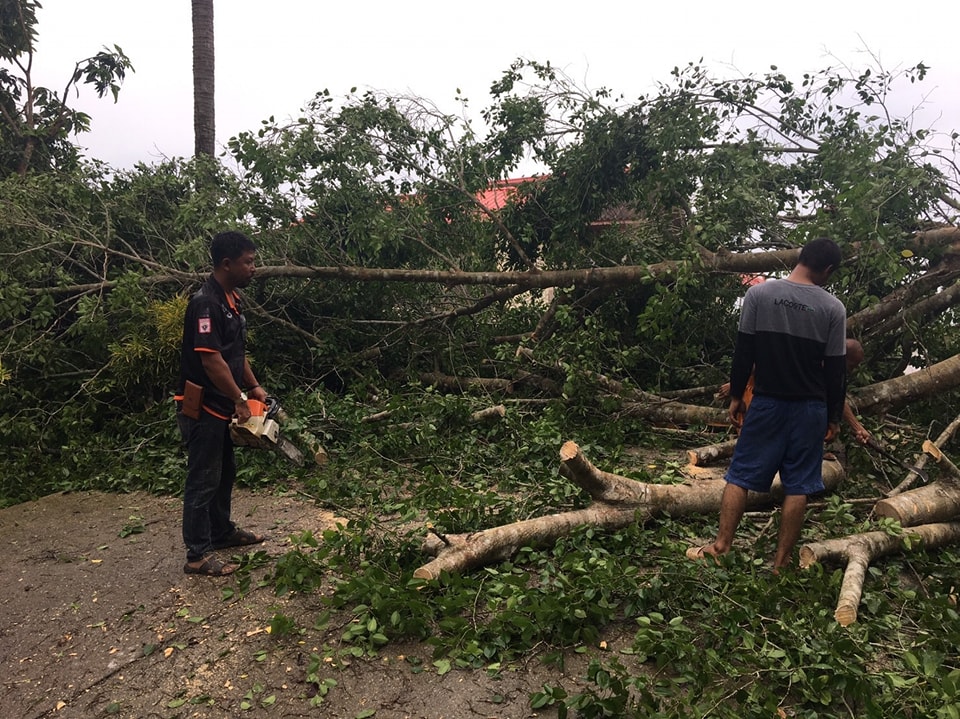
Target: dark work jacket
x=214 y=322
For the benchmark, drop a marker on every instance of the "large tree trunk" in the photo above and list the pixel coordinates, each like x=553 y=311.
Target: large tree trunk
x=896 y=392
x=936 y=502
x=204 y=119
x=618 y=501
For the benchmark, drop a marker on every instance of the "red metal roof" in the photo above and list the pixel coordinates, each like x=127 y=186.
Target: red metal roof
x=496 y=195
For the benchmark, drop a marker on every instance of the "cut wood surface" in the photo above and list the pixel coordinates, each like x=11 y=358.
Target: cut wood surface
x=617 y=501
x=948 y=466
x=859 y=550
x=711 y=453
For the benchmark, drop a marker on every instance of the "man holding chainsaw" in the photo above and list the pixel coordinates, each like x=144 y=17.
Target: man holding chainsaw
x=791 y=336
x=215 y=380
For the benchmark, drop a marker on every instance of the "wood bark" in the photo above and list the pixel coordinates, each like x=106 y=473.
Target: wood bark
x=617 y=501
x=935 y=502
x=858 y=550
x=204 y=122
x=901 y=390
x=677 y=413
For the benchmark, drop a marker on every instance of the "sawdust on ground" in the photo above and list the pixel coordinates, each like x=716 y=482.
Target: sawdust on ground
x=97 y=619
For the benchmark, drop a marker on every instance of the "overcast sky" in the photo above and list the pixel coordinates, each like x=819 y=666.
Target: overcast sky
x=272 y=57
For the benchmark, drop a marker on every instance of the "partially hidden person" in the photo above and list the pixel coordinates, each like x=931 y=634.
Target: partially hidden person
x=854 y=358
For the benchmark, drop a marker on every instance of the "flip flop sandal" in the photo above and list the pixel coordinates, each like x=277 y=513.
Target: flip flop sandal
x=210 y=567
x=239 y=538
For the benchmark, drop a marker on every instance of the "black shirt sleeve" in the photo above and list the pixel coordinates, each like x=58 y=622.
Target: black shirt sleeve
x=835 y=379
x=744 y=355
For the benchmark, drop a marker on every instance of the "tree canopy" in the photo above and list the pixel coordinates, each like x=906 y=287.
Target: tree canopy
x=624 y=253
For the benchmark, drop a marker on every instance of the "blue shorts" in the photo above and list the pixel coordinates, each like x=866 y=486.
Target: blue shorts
x=783 y=436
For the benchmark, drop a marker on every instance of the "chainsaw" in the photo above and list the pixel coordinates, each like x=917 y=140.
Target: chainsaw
x=877 y=447
x=262 y=430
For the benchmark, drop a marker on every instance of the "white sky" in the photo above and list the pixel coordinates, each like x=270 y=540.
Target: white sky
x=272 y=57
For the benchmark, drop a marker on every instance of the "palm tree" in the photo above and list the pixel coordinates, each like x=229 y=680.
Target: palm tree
x=204 y=122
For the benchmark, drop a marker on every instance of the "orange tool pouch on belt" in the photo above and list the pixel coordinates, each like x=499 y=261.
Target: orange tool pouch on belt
x=192 y=400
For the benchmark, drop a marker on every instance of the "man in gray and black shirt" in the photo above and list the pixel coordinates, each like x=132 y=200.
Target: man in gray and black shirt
x=792 y=337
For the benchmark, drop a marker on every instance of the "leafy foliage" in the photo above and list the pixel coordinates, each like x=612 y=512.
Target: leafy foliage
x=666 y=636
x=97 y=264
x=37 y=122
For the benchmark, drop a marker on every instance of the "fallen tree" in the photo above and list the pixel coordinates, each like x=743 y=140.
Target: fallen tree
x=925 y=513
x=617 y=501
x=876 y=398
x=857 y=551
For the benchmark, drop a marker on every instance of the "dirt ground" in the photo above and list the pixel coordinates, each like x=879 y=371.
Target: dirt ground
x=97 y=619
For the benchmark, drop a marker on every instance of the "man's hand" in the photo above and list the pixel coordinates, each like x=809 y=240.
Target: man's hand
x=241 y=410
x=736 y=411
x=258 y=393
x=861 y=433
x=833 y=429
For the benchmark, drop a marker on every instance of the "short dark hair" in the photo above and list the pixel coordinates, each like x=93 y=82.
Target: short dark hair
x=821 y=253
x=230 y=245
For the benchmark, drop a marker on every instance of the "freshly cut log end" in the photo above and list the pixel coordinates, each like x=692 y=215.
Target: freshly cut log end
x=933 y=450
x=807 y=558
x=845 y=615
x=320 y=456
x=569 y=450
x=711 y=453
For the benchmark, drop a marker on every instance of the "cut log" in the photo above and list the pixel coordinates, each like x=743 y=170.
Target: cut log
x=497 y=412
x=377 y=417
x=617 y=501
x=677 y=413
x=935 y=502
x=711 y=453
x=858 y=550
